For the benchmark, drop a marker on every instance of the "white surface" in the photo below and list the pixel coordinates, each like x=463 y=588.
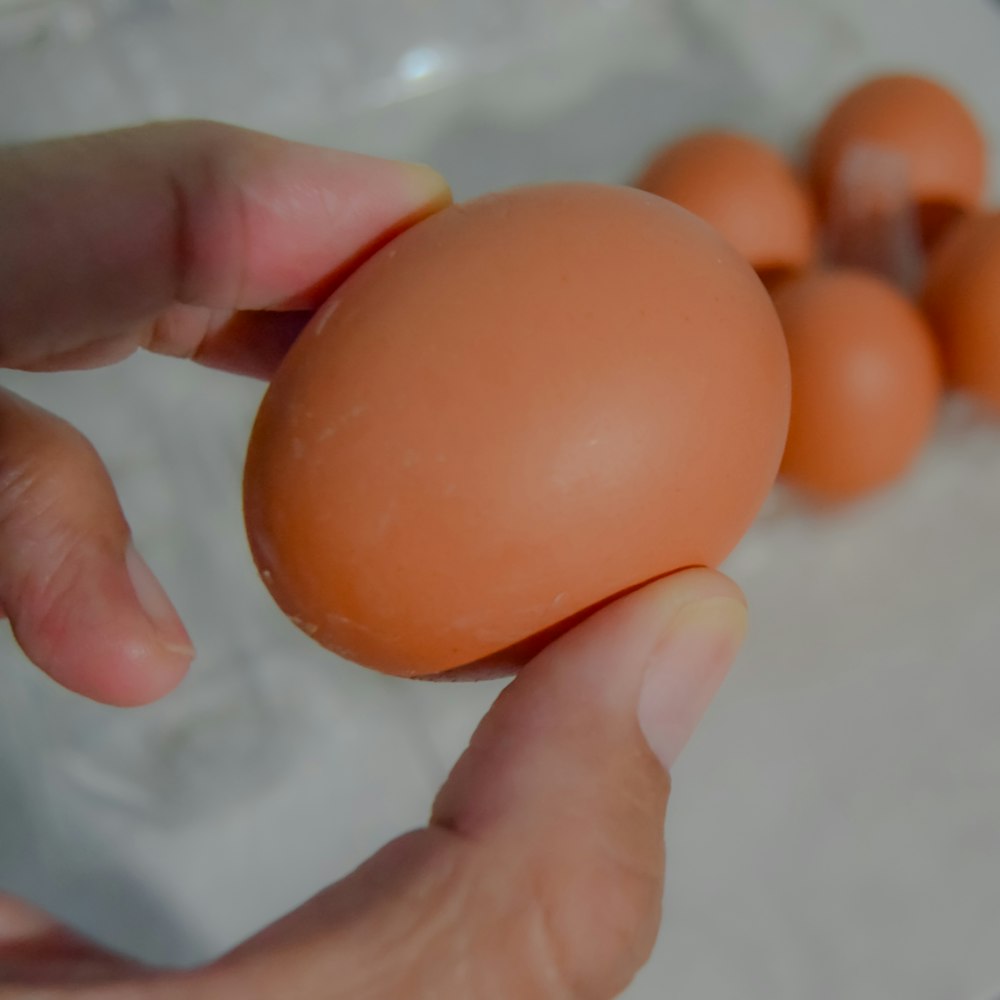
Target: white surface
x=835 y=827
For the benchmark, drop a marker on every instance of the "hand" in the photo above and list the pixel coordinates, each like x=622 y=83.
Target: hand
x=194 y=240
x=540 y=873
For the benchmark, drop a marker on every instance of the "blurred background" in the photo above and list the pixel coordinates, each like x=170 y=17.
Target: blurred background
x=835 y=826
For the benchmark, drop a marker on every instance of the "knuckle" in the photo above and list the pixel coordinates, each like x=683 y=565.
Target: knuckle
x=196 y=133
x=28 y=488
x=41 y=459
x=206 y=190
x=50 y=478
x=591 y=924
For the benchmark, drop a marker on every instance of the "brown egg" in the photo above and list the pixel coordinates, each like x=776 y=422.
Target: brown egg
x=519 y=408
x=962 y=299
x=865 y=382
x=746 y=190
x=942 y=148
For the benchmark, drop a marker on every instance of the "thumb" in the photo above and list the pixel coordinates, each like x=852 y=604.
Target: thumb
x=541 y=872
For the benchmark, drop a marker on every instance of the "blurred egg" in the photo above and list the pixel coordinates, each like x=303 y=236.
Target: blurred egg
x=519 y=408
x=746 y=190
x=865 y=382
x=943 y=150
x=962 y=299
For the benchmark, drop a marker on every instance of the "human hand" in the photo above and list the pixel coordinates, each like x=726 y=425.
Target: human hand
x=188 y=239
x=540 y=872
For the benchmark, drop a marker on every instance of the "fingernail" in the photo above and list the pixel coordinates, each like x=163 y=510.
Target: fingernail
x=428 y=187
x=419 y=183
x=686 y=670
x=158 y=607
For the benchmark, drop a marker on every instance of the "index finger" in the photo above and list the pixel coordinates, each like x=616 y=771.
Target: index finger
x=101 y=233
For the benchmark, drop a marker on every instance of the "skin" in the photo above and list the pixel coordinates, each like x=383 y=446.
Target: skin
x=540 y=870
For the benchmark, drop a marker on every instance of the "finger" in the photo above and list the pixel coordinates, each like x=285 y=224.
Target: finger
x=578 y=701
x=20 y=922
x=82 y=603
x=244 y=343
x=37 y=953
x=103 y=233
x=541 y=873
x=252 y=342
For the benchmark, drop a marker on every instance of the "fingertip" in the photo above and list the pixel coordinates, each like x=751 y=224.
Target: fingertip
x=704 y=582
x=427 y=188
x=662 y=598
x=626 y=630
x=686 y=668
x=113 y=668
x=83 y=605
x=147 y=650
x=314 y=215
x=140 y=675
x=399 y=186
x=106 y=631
x=20 y=920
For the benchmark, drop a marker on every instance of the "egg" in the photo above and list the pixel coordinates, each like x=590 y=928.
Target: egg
x=865 y=382
x=962 y=299
x=942 y=151
x=519 y=408
x=746 y=190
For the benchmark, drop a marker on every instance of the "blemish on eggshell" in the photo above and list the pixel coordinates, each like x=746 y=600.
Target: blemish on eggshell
x=328 y=310
x=308 y=627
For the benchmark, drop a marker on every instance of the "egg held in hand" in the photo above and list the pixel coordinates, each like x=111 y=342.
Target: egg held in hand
x=865 y=382
x=521 y=407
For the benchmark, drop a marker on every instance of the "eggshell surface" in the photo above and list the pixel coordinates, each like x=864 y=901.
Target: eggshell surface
x=865 y=382
x=962 y=299
x=746 y=190
x=944 y=150
x=522 y=406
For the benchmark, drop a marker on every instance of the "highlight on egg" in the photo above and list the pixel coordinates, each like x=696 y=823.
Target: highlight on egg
x=518 y=409
x=744 y=188
x=865 y=383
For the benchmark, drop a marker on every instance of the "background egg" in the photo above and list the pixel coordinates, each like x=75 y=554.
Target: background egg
x=962 y=299
x=865 y=382
x=943 y=151
x=746 y=190
x=522 y=406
